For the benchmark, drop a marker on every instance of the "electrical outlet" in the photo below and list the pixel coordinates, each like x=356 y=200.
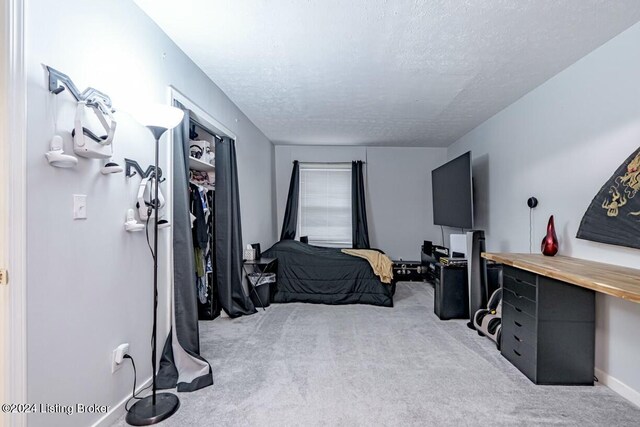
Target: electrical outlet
x=118 y=356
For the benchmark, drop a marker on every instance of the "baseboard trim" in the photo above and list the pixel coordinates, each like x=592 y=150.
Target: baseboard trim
x=619 y=387
x=117 y=411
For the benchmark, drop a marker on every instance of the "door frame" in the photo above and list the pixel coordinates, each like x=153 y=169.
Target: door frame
x=13 y=325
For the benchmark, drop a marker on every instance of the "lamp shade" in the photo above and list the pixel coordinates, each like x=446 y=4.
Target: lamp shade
x=158 y=116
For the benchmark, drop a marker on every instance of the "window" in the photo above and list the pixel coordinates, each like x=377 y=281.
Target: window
x=325 y=204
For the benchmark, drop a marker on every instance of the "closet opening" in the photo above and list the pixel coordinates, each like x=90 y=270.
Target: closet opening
x=202 y=178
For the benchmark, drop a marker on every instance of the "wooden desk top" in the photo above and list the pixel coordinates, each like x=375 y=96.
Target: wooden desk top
x=621 y=282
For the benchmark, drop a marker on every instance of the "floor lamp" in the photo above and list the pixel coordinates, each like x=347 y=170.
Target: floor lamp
x=157 y=406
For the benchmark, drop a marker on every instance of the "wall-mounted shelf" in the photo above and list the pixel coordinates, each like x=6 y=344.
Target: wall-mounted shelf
x=199 y=165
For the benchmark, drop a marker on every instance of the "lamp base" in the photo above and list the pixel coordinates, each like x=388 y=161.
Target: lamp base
x=145 y=413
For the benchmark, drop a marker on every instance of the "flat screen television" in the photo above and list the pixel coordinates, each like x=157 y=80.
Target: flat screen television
x=452 y=190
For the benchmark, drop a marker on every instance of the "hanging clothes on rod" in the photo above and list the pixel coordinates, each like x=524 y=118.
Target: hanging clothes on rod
x=201 y=211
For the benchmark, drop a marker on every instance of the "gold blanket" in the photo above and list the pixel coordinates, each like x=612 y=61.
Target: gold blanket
x=380 y=263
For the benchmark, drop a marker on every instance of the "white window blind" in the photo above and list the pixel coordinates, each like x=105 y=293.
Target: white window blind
x=325 y=204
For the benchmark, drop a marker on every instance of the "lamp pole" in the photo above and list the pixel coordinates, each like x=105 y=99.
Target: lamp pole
x=156 y=207
x=157 y=407
x=157 y=133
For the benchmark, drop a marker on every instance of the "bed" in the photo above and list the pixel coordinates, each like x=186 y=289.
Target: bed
x=321 y=275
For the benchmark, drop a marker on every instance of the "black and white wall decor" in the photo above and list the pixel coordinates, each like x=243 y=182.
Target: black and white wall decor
x=614 y=214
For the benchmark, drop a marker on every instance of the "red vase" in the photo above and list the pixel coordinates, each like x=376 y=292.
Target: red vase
x=549 y=246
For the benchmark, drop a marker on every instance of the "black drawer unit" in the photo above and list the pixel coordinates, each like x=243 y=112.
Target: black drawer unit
x=520 y=303
x=520 y=354
x=520 y=324
x=520 y=288
x=548 y=328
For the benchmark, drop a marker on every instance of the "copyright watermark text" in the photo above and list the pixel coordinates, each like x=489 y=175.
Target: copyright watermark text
x=54 y=408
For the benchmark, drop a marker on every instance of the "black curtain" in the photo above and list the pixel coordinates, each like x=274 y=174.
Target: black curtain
x=181 y=364
x=290 y=223
x=360 y=229
x=233 y=298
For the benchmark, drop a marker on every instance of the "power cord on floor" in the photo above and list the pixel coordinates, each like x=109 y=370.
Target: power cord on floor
x=134 y=395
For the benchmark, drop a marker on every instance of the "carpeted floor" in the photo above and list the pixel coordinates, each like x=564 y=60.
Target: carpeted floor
x=357 y=365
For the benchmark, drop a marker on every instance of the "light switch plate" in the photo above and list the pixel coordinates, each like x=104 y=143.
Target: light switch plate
x=79 y=206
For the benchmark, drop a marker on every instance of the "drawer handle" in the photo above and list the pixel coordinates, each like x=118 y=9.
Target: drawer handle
x=516 y=353
x=519 y=310
x=517 y=295
x=519 y=325
x=517 y=339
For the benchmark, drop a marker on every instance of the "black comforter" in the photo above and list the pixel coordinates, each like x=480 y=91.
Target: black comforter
x=325 y=276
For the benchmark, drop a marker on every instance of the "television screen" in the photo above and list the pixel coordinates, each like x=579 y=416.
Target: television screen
x=453 y=193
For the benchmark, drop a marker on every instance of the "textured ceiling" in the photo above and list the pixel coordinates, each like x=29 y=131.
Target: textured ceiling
x=378 y=72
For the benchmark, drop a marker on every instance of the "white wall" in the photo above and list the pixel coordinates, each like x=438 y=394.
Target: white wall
x=561 y=142
x=400 y=209
x=89 y=282
x=398 y=186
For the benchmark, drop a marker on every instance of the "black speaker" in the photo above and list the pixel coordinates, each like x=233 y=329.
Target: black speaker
x=477 y=272
x=451 y=297
x=427 y=247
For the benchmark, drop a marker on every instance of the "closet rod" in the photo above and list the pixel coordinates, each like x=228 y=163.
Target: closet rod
x=326 y=163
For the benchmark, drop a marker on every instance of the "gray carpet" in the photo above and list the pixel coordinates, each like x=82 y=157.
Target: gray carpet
x=317 y=365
